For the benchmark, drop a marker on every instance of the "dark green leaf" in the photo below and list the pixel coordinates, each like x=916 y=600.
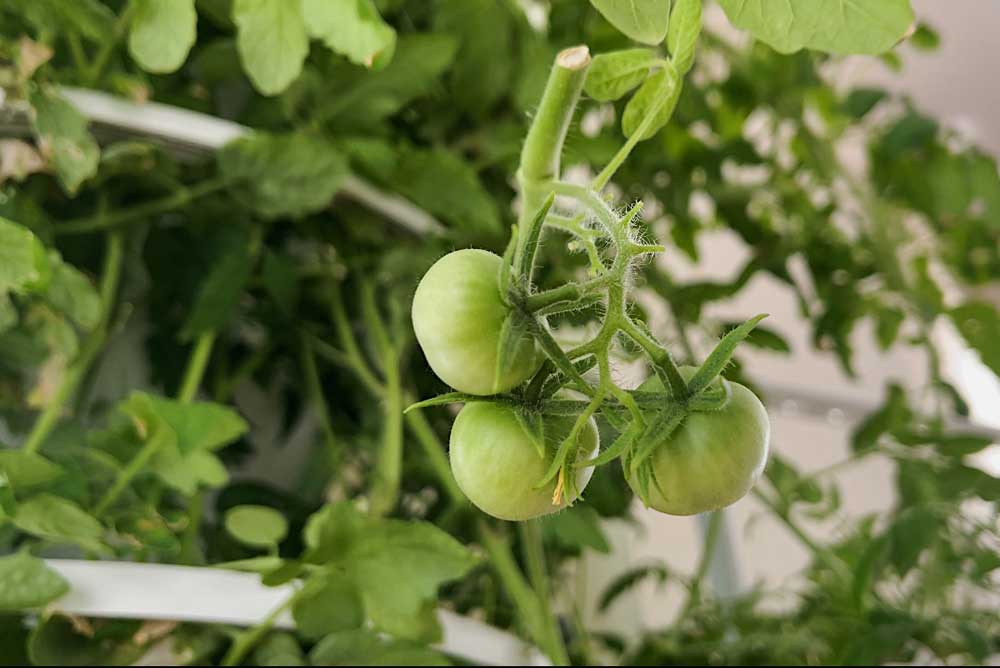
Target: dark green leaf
x=979 y=323
x=331 y=605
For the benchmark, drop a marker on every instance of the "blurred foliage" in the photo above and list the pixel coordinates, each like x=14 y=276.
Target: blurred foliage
x=242 y=259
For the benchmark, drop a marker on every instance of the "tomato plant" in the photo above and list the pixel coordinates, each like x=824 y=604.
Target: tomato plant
x=250 y=249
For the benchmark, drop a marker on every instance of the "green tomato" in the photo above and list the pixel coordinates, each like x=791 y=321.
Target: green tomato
x=457 y=316
x=498 y=467
x=713 y=458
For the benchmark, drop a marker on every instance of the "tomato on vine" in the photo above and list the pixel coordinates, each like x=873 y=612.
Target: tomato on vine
x=498 y=465
x=712 y=459
x=458 y=314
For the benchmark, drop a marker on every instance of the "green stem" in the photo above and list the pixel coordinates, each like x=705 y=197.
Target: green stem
x=196 y=365
x=110 y=276
x=249 y=638
x=434 y=451
x=543 y=631
x=140 y=211
x=317 y=400
x=131 y=470
x=389 y=461
x=567 y=292
x=707 y=554
x=659 y=355
x=543 y=145
x=93 y=75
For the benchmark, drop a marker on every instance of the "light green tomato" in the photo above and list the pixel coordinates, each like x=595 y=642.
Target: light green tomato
x=713 y=459
x=457 y=316
x=498 y=467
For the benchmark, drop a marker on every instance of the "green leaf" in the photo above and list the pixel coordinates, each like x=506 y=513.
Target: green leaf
x=630 y=579
x=256 y=526
x=199 y=425
x=63 y=138
x=361 y=647
x=657 y=96
x=24 y=263
x=514 y=336
x=59 y=520
x=578 y=528
x=278 y=649
x=763 y=337
x=979 y=323
x=399 y=566
x=912 y=532
x=62 y=641
x=396 y=565
x=162 y=34
x=862 y=100
x=446 y=186
x=682 y=36
x=334 y=605
x=642 y=20
x=272 y=42
x=70 y=292
x=89 y=18
x=611 y=75
x=720 y=356
x=446 y=398
x=893 y=414
x=371 y=97
x=283 y=175
x=352 y=28
x=26 y=582
x=27 y=469
x=834 y=26
x=483 y=68
x=219 y=294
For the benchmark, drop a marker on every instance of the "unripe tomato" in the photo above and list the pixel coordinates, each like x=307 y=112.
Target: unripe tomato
x=713 y=458
x=498 y=467
x=457 y=316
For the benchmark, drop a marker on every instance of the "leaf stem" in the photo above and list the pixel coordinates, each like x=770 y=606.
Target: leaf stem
x=197 y=363
x=526 y=601
x=138 y=212
x=93 y=74
x=249 y=638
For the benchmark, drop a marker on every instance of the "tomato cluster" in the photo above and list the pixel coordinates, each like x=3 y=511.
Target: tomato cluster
x=709 y=459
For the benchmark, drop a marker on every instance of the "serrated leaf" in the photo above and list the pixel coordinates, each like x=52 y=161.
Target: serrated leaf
x=720 y=356
x=763 y=337
x=59 y=520
x=256 y=526
x=611 y=75
x=24 y=264
x=331 y=605
x=26 y=582
x=352 y=28
x=657 y=97
x=834 y=26
x=682 y=35
x=642 y=20
x=272 y=42
x=893 y=413
x=979 y=323
x=283 y=175
x=27 y=469
x=63 y=138
x=162 y=33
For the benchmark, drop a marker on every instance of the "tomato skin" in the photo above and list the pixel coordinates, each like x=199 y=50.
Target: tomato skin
x=713 y=459
x=497 y=466
x=457 y=315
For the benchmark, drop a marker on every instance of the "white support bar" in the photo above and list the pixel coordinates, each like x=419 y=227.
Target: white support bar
x=126 y=590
